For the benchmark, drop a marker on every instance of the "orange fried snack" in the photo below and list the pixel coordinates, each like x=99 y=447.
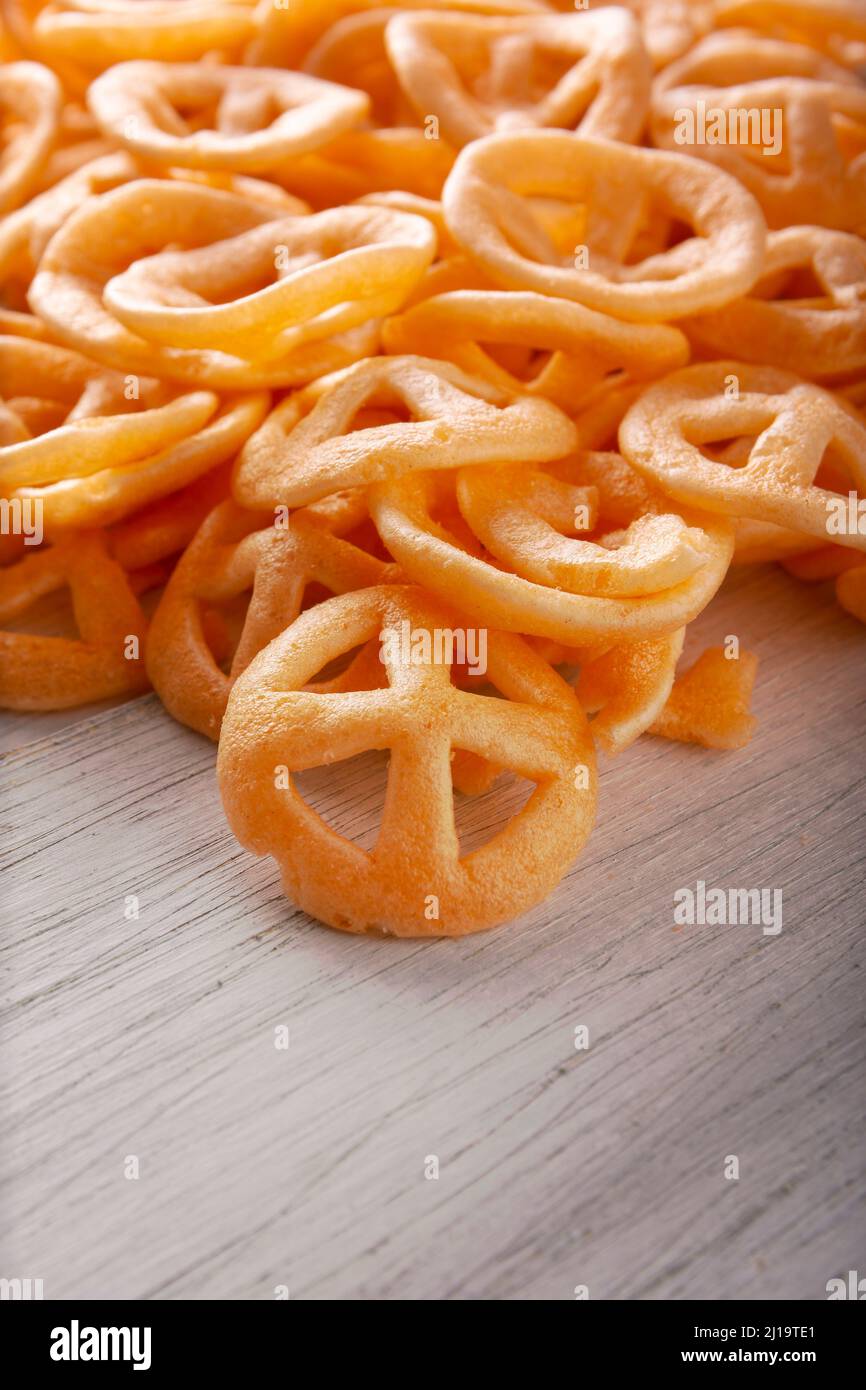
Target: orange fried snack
x=480 y=75
x=108 y=234
x=627 y=688
x=165 y=528
x=489 y=208
x=807 y=313
x=351 y=429
x=227 y=118
x=328 y=272
x=93 y=34
x=774 y=432
x=236 y=553
x=415 y=881
x=709 y=703
x=286 y=34
x=789 y=124
x=90 y=446
x=30 y=98
x=43 y=673
x=626 y=584
x=579 y=348
x=821 y=23
x=834 y=562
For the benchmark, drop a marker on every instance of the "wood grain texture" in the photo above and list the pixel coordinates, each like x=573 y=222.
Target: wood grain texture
x=260 y=1167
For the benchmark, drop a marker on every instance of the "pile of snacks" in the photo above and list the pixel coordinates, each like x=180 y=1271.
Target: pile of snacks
x=362 y=364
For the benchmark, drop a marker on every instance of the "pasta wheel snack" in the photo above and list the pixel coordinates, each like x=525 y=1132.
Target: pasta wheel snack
x=485 y=202
x=482 y=75
x=415 y=881
x=92 y=446
x=786 y=428
x=69 y=289
x=30 y=97
x=308 y=448
x=237 y=552
x=625 y=585
x=42 y=673
x=230 y=120
x=584 y=347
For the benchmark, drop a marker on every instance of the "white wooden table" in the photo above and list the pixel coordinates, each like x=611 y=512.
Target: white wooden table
x=305 y=1168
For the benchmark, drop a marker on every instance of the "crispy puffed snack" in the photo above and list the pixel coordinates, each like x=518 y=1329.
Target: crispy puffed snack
x=775 y=433
x=314 y=276
x=415 y=881
x=827 y=562
x=806 y=314
x=386 y=415
x=109 y=234
x=165 y=528
x=757 y=542
x=628 y=687
x=30 y=103
x=93 y=34
x=788 y=123
x=670 y=27
x=26 y=232
x=90 y=446
x=43 y=673
x=233 y=554
x=370 y=161
x=352 y=52
x=709 y=703
x=614 y=189
x=227 y=118
x=286 y=35
x=549 y=347
x=834 y=562
x=481 y=75
x=643 y=578
x=825 y=24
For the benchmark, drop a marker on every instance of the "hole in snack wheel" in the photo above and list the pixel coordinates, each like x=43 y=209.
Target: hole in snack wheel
x=349 y=795
x=479 y=817
x=51 y=616
x=222 y=626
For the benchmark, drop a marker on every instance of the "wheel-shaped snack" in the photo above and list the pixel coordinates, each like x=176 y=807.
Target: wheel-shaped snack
x=616 y=191
x=670 y=27
x=479 y=75
x=25 y=233
x=314 y=276
x=563 y=350
x=89 y=446
x=106 y=659
x=414 y=882
x=30 y=101
x=352 y=52
x=807 y=313
x=752 y=442
x=386 y=415
x=108 y=235
x=642 y=576
x=835 y=26
x=90 y=35
x=785 y=121
x=286 y=34
x=235 y=553
x=244 y=119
